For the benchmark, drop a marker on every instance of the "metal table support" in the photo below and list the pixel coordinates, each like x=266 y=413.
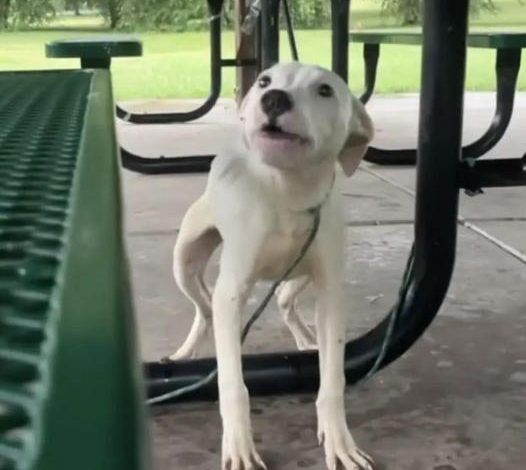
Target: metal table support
x=507 y=66
x=492 y=174
x=268 y=32
x=340 y=37
x=165 y=165
x=371 y=54
x=444 y=55
x=215 y=7
x=269 y=43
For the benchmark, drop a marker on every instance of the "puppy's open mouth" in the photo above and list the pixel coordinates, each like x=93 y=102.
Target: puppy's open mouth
x=275 y=132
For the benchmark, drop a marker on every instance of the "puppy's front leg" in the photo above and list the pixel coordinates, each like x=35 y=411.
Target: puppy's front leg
x=332 y=424
x=230 y=294
x=333 y=431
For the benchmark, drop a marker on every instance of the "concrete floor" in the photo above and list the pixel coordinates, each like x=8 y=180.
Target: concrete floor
x=455 y=401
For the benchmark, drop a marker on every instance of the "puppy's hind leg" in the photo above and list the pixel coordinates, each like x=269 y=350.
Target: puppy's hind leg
x=287 y=303
x=197 y=240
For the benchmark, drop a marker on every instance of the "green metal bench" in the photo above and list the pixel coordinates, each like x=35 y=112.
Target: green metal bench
x=71 y=391
x=95 y=52
x=508 y=48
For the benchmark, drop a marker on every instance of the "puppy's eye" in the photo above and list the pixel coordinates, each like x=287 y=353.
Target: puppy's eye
x=264 y=81
x=325 y=90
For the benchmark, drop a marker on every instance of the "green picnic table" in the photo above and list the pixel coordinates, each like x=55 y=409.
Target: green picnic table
x=71 y=391
x=508 y=46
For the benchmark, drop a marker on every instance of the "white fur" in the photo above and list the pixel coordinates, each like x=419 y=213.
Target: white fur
x=256 y=204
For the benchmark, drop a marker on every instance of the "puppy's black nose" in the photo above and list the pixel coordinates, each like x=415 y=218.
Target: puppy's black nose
x=276 y=102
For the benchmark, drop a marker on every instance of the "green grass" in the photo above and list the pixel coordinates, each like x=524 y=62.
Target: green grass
x=176 y=64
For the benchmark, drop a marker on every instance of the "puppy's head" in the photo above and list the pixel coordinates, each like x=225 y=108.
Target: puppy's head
x=300 y=115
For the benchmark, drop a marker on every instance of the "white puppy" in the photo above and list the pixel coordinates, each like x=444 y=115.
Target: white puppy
x=299 y=122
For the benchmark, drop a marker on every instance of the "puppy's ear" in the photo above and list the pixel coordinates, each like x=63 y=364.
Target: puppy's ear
x=361 y=133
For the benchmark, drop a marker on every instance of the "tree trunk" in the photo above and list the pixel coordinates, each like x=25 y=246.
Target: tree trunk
x=411 y=12
x=4 y=13
x=410 y=18
x=114 y=12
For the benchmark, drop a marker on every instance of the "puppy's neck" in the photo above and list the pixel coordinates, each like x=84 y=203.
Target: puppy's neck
x=298 y=189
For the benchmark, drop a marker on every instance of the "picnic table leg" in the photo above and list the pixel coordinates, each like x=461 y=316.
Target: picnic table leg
x=215 y=9
x=507 y=66
x=269 y=33
x=165 y=165
x=371 y=54
x=439 y=147
x=95 y=63
x=195 y=163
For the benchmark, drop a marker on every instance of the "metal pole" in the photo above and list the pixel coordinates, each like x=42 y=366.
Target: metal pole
x=371 y=53
x=340 y=37
x=290 y=31
x=439 y=152
x=269 y=33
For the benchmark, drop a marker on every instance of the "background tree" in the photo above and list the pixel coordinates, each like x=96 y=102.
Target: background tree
x=73 y=5
x=165 y=14
x=410 y=11
x=111 y=10
x=407 y=10
x=25 y=12
x=185 y=15
x=5 y=6
x=193 y=14
x=310 y=13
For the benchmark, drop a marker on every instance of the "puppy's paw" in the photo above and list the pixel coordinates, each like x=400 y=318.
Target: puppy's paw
x=339 y=445
x=307 y=343
x=193 y=343
x=239 y=451
x=304 y=336
x=184 y=352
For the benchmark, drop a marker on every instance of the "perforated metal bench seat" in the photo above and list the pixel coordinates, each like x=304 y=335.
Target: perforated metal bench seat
x=97 y=51
x=70 y=388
